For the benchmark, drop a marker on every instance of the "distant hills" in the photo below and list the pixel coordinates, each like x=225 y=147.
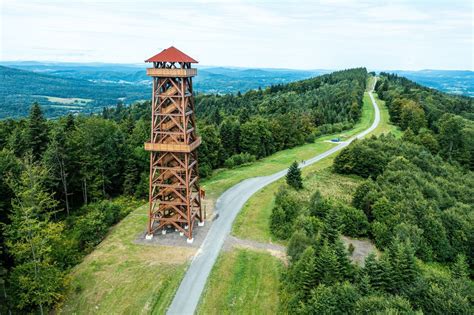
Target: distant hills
x=450 y=81
x=60 y=94
x=69 y=87
x=88 y=87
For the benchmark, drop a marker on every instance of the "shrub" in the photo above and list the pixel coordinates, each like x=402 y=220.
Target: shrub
x=239 y=159
x=297 y=244
x=89 y=229
x=354 y=222
x=284 y=214
x=376 y=304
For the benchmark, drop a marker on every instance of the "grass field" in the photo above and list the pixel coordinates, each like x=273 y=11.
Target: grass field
x=242 y=282
x=121 y=277
x=68 y=100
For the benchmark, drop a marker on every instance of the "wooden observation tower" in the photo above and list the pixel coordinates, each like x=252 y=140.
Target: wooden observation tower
x=175 y=196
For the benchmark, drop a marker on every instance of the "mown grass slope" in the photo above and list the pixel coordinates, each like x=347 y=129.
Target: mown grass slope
x=121 y=277
x=243 y=282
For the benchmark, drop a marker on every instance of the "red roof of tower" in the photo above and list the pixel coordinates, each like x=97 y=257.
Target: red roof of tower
x=171 y=54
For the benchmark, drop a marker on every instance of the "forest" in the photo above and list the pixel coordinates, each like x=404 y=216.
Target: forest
x=415 y=205
x=65 y=182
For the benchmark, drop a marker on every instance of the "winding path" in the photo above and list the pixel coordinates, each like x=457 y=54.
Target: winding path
x=228 y=206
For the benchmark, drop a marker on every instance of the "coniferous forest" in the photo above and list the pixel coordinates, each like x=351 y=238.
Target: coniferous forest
x=416 y=205
x=65 y=182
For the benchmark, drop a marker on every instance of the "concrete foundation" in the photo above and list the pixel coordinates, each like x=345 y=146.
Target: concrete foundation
x=163 y=232
x=190 y=240
x=201 y=223
x=149 y=236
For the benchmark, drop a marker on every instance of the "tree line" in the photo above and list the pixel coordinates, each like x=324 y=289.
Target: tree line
x=240 y=128
x=441 y=122
x=61 y=180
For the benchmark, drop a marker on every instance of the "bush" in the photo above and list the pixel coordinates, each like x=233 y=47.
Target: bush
x=298 y=243
x=337 y=299
x=376 y=304
x=90 y=228
x=284 y=214
x=239 y=159
x=354 y=222
x=351 y=249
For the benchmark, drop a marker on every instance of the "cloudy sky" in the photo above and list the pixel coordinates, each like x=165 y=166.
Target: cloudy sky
x=328 y=34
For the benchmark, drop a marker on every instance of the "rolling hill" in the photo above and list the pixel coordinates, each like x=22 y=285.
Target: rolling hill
x=59 y=95
x=84 y=88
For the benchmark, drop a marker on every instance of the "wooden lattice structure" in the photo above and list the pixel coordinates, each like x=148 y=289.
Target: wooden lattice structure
x=175 y=196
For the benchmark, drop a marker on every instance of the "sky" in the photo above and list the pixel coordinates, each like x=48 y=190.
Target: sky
x=318 y=34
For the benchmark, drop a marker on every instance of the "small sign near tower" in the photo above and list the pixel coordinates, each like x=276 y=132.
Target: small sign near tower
x=175 y=196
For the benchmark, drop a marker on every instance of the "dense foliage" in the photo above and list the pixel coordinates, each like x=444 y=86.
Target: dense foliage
x=416 y=205
x=55 y=181
x=262 y=122
x=441 y=122
x=414 y=195
x=321 y=279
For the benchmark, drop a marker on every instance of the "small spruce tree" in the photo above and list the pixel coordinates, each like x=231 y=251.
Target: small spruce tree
x=460 y=268
x=37 y=131
x=327 y=266
x=293 y=177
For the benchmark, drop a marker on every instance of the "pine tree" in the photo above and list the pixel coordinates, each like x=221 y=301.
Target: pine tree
x=331 y=227
x=375 y=273
x=460 y=268
x=346 y=268
x=37 y=131
x=402 y=260
x=302 y=275
x=31 y=238
x=364 y=285
x=327 y=266
x=387 y=276
x=293 y=177
x=56 y=159
x=318 y=206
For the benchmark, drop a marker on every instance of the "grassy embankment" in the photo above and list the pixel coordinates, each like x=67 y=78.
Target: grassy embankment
x=221 y=295
x=121 y=277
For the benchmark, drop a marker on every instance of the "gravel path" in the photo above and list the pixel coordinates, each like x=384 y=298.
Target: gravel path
x=233 y=241
x=362 y=249
x=228 y=206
